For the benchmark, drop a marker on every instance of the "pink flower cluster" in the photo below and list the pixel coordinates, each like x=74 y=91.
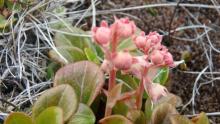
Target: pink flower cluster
x=154 y=53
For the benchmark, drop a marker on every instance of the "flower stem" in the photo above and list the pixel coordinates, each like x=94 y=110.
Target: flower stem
x=139 y=94
x=111 y=82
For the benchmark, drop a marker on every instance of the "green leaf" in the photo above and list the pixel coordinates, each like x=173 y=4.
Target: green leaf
x=162 y=112
x=85 y=77
x=136 y=116
x=126 y=44
x=201 y=119
x=70 y=53
x=91 y=56
x=120 y=108
x=78 y=40
x=170 y=98
x=62 y=96
x=51 y=69
x=128 y=81
x=158 y=74
x=3 y=22
x=51 y=115
x=2 y=3
x=84 y=115
x=115 y=119
x=13 y=6
x=18 y=118
x=179 y=119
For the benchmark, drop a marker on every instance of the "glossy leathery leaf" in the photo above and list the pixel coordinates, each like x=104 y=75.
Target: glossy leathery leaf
x=115 y=119
x=70 y=53
x=201 y=119
x=51 y=115
x=62 y=96
x=137 y=117
x=84 y=115
x=18 y=118
x=170 y=98
x=85 y=77
x=179 y=119
x=162 y=113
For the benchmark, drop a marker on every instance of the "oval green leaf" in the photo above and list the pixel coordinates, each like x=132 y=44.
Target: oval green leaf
x=201 y=119
x=137 y=117
x=170 y=98
x=78 y=40
x=85 y=77
x=2 y=3
x=51 y=115
x=70 y=53
x=18 y=118
x=91 y=56
x=62 y=96
x=179 y=119
x=158 y=74
x=84 y=115
x=162 y=112
x=115 y=119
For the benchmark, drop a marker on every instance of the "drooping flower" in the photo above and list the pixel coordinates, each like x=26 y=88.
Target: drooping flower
x=140 y=41
x=168 y=59
x=154 y=38
x=122 y=60
x=124 y=27
x=157 y=57
x=155 y=91
x=102 y=34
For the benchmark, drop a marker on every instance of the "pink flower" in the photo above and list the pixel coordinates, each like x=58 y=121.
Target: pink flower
x=102 y=34
x=154 y=38
x=139 y=63
x=157 y=57
x=155 y=91
x=140 y=41
x=168 y=58
x=122 y=60
x=124 y=27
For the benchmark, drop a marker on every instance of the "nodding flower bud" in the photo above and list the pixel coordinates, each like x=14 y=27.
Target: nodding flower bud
x=102 y=34
x=157 y=57
x=168 y=59
x=140 y=41
x=155 y=91
x=125 y=27
x=154 y=37
x=122 y=60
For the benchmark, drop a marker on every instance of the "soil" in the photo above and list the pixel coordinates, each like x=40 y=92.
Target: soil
x=159 y=19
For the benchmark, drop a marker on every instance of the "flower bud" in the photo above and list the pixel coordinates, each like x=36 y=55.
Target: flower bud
x=102 y=35
x=157 y=57
x=140 y=41
x=154 y=37
x=122 y=60
x=155 y=91
x=125 y=27
x=168 y=58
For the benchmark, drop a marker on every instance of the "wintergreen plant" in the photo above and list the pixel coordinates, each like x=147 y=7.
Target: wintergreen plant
x=134 y=66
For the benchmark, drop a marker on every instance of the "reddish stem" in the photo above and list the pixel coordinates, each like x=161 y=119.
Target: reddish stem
x=139 y=94
x=112 y=75
x=111 y=82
